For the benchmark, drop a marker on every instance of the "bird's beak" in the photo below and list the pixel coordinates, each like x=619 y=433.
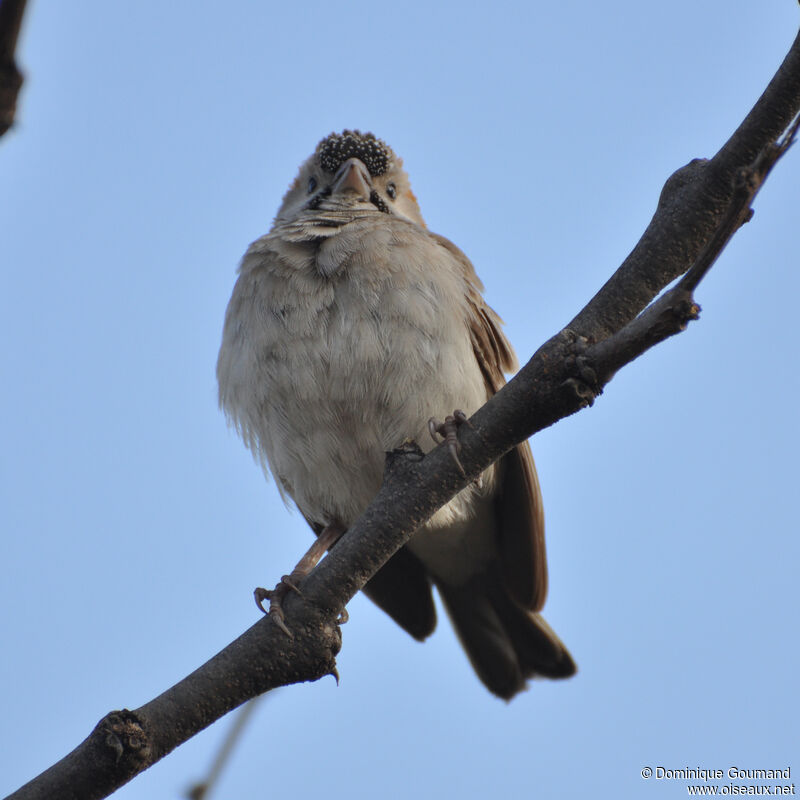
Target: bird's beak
x=353 y=176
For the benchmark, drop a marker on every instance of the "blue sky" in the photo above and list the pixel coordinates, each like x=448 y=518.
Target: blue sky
x=154 y=143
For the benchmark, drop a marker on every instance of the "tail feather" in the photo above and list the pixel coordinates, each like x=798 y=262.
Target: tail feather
x=506 y=644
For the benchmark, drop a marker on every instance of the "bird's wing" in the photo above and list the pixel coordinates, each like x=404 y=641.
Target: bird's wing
x=518 y=505
x=402 y=588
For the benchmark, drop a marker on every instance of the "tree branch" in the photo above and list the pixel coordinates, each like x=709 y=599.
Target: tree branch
x=672 y=311
x=11 y=13
x=689 y=211
x=701 y=206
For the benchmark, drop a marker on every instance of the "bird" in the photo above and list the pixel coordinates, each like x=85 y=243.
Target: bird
x=351 y=326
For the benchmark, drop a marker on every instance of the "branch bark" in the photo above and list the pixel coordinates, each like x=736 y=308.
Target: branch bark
x=701 y=207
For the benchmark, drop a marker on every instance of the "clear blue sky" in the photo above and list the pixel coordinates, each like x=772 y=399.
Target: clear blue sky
x=154 y=142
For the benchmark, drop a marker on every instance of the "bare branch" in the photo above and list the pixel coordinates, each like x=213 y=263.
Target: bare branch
x=11 y=13
x=671 y=313
x=201 y=789
x=691 y=206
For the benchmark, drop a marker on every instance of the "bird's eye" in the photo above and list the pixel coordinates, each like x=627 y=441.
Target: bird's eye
x=312 y=184
x=391 y=190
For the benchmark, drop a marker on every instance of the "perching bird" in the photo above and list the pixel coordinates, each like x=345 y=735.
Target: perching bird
x=350 y=326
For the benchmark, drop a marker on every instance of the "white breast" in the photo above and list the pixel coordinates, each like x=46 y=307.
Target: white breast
x=334 y=354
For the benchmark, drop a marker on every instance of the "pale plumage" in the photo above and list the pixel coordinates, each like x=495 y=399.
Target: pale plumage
x=349 y=327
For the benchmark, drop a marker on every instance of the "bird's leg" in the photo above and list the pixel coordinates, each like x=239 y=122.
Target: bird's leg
x=289 y=583
x=448 y=430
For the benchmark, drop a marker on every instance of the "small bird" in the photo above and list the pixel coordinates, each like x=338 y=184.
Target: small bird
x=350 y=326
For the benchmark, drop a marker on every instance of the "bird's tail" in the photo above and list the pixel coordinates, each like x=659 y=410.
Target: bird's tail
x=505 y=643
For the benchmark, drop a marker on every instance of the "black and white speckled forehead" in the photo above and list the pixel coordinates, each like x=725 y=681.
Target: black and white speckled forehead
x=335 y=149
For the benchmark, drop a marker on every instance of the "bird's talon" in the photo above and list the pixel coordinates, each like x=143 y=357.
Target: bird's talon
x=260 y=596
x=454 y=449
x=276 y=615
x=448 y=430
x=288 y=583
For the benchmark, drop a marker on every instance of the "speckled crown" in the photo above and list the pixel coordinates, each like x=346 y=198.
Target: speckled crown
x=335 y=149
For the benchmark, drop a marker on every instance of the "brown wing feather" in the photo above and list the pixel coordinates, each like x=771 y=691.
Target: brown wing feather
x=401 y=588
x=523 y=555
x=519 y=502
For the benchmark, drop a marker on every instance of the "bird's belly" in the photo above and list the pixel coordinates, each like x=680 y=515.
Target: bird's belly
x=355 y=387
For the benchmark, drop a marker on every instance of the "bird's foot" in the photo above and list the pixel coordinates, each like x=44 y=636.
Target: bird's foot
x=448 y=430
x=583 y=380
x=276 y=596
x=291 y=582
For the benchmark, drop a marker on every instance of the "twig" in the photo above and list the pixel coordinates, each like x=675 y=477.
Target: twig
x=11 y=13
x=202 y=789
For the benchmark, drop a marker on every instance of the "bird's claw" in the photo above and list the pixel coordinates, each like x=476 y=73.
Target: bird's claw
x=260 y=594
x=275 y=596
x=276 y=615
x=448 y=430
x=327 y=537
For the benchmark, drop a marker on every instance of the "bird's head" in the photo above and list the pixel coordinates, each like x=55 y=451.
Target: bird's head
x=350 y=171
